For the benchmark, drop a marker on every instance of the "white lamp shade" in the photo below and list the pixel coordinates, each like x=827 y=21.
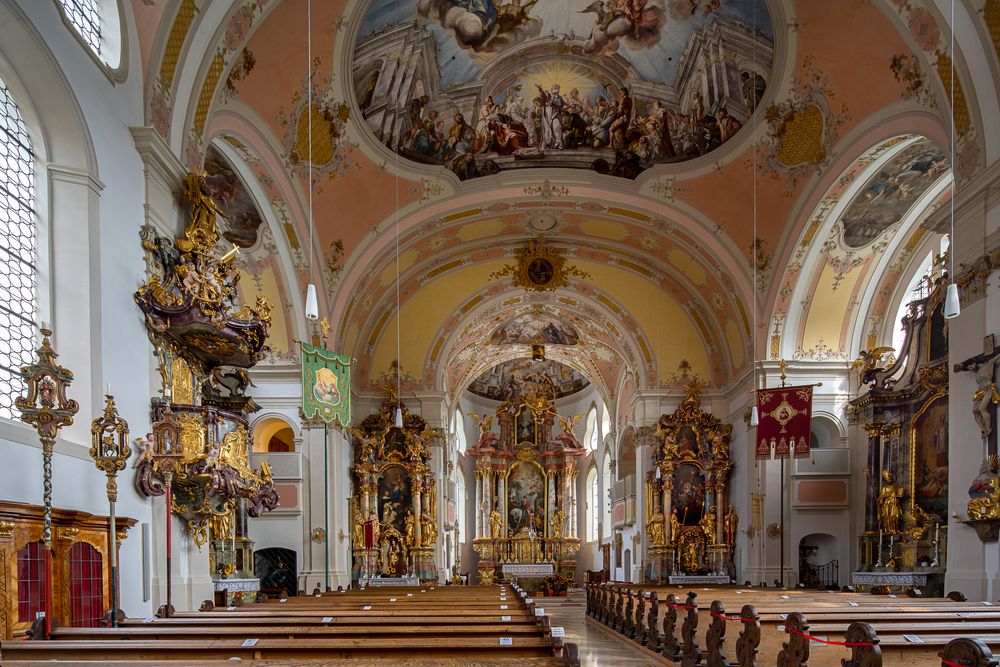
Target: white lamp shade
x=754 y=416
x=952 y=307
x=399 y=418
x=312 y=306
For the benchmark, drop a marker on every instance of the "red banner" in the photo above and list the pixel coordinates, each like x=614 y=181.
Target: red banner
x=784 y=421
x=370 y=534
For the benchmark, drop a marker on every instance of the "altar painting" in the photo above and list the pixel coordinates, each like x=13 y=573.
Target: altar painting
x=688 y=494
x=394 y=498
x=525 y=498
x=525 y=426
x=930 y=459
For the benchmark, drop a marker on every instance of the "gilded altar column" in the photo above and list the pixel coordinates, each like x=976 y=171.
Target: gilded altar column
x=569 y=512
x=721 y=505
x=416 y=503
x=480 y=526
x=501 y=500
x=874 y=432
x=666 y=503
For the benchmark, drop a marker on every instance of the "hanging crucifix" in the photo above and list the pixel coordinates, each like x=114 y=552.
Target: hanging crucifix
x=985 y=400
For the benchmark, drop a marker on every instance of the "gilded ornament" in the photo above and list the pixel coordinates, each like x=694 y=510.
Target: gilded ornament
x=540 y=268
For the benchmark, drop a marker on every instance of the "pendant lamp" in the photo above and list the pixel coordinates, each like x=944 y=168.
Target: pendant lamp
x=952 y=305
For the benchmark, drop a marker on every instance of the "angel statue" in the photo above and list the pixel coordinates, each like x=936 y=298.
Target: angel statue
x=567 y=438
x=487 y=437
x=870 y=362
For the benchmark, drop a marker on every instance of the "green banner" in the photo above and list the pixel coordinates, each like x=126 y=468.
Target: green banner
x=326 y=385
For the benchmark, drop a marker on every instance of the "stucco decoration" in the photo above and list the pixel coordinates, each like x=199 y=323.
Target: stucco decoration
x=480 y=87
x=802 y=128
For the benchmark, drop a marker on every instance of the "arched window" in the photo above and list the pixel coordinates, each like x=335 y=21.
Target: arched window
x=18 y=270
x=593 y=504
x=606 y=485
x=605 y=421
x=97 y=23
x=591 y=438
x=460 y=442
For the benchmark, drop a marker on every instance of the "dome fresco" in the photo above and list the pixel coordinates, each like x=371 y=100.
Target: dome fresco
x=480 y=86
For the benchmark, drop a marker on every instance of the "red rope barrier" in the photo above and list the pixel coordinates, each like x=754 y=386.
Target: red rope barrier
x=829 y=643
x=681 y=606
x=949 y=663
x=735 y=619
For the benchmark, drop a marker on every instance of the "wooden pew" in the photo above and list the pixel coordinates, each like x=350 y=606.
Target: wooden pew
x=469 y=624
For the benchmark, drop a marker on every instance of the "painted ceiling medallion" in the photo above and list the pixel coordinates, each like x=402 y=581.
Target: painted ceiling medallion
x=612 y=87
x=540 y=268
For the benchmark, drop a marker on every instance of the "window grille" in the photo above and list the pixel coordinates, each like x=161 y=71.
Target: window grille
x=86 y=18
x=18 y=271
x=86 y=586
x=31 y=577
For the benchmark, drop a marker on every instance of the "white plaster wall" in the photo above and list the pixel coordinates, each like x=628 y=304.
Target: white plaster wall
x=91 y=214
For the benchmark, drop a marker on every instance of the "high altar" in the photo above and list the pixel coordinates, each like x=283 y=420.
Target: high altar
x=525 y=486
x=692 y=527
x=394 y=515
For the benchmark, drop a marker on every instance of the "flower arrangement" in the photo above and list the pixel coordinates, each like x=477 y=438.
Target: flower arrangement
x=923 y=559
x=556 y=584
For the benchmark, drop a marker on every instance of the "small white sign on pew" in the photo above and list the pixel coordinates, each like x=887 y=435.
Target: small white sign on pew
x=367 y=607
x=328 y=619
x=539 y=611
x=505 y=619
x=913 y=639
x=506 y=641
x=503 y=606
x=247 y=643
x=558 y=631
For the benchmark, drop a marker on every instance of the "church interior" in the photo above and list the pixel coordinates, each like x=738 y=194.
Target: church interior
x=493 y=331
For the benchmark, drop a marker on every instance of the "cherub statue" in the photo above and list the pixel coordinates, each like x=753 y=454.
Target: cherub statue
x=143 y=450
x=487 y=437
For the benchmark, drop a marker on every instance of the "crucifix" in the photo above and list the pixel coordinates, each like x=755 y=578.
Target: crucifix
x=986 y=396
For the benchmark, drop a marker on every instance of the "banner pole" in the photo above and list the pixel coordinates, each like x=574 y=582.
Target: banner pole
x=326 y=501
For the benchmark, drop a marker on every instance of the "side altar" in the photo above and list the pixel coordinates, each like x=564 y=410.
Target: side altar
x=692 y=526
x=394 y=516
x=526 y=485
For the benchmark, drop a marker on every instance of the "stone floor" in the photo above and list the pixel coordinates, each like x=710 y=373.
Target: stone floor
x=598 y=647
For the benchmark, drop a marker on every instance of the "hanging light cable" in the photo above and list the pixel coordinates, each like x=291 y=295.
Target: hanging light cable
x=952 y=305
x=399 y=366
x=754 y=415
x=312 y=304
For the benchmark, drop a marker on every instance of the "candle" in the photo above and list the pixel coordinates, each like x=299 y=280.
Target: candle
x=107 y=391
x=937 y=526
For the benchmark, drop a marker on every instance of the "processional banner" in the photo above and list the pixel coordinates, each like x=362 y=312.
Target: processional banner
x=326 y=385
x=784 y=421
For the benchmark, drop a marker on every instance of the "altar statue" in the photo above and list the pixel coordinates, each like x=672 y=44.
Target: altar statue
x=691 y=556
x=428 y=529
x=654 y=530
x=358 y=529
x=675 y=526
x=556 y=523
x=496 y=525
x=707 y=524
x=410 y=529
x=888 y=504
x=731 y=525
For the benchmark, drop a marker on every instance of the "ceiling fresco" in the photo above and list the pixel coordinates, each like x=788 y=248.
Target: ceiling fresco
x=498 y=382
x=534 y=328
x=229 y=192
x=892 y=191
x=482 y=86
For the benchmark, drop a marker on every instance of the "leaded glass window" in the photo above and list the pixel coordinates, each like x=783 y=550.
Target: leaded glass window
x=18 y=272
x=86 y=18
